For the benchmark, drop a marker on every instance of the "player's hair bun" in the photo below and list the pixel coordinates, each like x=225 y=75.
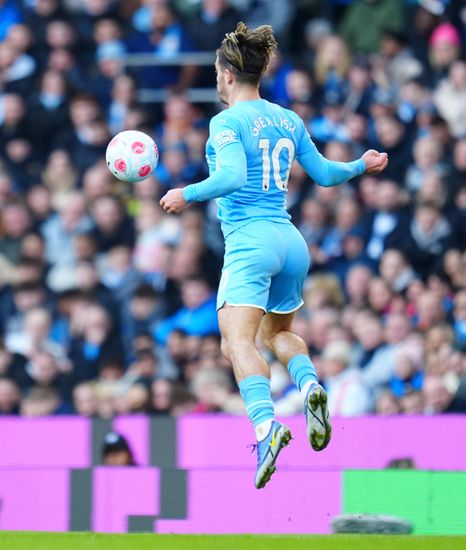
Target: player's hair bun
x=249 y=50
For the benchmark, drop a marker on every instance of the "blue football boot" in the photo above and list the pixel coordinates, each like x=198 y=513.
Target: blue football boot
x=268 y=450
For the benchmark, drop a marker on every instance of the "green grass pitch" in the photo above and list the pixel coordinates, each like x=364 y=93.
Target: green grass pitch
x=91 y=541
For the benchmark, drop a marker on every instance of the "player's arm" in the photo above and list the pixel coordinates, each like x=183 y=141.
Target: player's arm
x=328 y=173
x=229 y=176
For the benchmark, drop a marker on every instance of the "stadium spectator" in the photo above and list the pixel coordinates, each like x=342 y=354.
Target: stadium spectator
x=116 y=451
x=347 y=394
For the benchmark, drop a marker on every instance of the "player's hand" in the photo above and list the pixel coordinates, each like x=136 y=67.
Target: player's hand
x=375 y=162
x=173 y=201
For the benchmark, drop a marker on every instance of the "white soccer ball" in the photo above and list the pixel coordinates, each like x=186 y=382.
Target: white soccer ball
x=132 y=156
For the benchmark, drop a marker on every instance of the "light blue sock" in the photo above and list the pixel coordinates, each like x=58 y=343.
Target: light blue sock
x=302 y=371
x=255 y=391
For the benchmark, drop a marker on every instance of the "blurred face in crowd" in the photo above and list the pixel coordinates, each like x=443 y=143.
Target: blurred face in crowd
x=427 y=152
x=83 y=111
x=369 y=331
x=298 y=85
x=9 y=396
x=44 y=368
x=60 y=34
x=97 y=181
x=432 y=188
x=15 y=220
x=356 y=125
x=149 y=215
x=332 y=367
x=28 y=298
x=412 y=403
x=390 y=132
x=44 y=8
x=20 y=37
x=368 y=191
x=388 y=196
x=61 y=59
x=13 y=108
x=347 y=214
x=8 y=55
x=33 y=246
x=430 y=309
x=436 y=396
x=107 y=214
x=120 y=457
x=443 y=53
x=397 y=328
x=124 y=89
x=427 y=217
x=313 y=213
x=319 y=325
x=97 y=325
x=53 y=83
x=135 y=399
x=337 y=151
x=387 y=404
x=392 y=264
x=194 y=292
x=39 y=200
x=106 y=30
x=161 y=395
x=37 y=323
x=459 y=154
x=72 y=210
x=141 y=307
x=379 y=295
x=85 y=399
x=357 y=283
x=96 y=7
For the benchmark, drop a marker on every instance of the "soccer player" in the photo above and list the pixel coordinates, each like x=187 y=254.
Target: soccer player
x=250 y=150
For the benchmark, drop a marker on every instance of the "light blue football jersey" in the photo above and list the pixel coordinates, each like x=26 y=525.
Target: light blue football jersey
x=271 y=137
x=250 y=151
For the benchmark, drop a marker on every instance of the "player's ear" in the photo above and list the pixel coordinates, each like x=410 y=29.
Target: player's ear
x=229 y=76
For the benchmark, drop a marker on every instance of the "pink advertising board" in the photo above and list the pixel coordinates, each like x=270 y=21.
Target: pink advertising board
x=358 y=443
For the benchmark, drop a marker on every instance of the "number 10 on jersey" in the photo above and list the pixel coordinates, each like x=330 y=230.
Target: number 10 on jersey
x=280 y=178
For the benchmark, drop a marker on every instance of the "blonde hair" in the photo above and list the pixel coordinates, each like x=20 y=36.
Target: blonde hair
x=328 y=57
x=247 y=52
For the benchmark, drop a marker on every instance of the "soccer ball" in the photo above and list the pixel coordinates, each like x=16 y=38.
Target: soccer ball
x=132 y=155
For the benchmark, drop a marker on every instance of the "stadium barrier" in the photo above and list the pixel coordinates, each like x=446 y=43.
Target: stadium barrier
x=188 y=481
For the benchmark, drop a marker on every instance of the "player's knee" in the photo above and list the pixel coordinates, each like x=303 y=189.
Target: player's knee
x=226 y=348
x=232 y=345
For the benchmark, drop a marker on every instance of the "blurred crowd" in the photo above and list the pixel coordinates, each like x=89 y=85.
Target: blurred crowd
x=107 y=305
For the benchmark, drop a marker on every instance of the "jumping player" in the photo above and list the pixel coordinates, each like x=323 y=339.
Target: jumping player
x=251 y=147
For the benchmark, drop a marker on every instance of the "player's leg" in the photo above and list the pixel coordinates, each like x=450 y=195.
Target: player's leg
x=251 y=259
x=285 y=298
x=291 y=351
x=239 y=326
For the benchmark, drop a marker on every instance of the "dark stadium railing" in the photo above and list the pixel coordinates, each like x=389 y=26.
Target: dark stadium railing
x=153 y=95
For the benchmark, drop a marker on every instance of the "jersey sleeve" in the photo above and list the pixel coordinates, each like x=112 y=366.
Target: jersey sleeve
x=324 y=172
x=231 y=171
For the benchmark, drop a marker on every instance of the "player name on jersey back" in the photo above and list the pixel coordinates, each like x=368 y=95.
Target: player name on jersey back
x=264 y=121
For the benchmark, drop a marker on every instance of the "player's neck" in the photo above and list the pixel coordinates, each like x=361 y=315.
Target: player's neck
x=243 y=93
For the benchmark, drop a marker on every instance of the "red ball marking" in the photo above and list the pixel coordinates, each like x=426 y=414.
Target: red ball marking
x=138 y=147
x=156 y=150
x=144 y=171
x=114 y=142
x=120 y=165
